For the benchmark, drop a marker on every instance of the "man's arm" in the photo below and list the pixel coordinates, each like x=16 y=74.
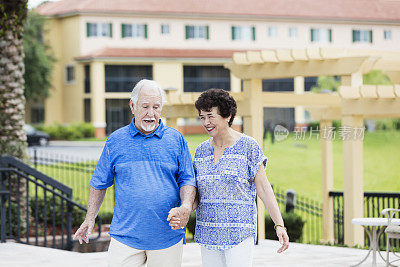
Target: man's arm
x=182 y=213
x=187 y=194
x=96 y=197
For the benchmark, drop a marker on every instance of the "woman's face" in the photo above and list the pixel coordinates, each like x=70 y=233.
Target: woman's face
x=213 y=122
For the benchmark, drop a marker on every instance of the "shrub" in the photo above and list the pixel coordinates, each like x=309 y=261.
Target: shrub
x=68 y=132
x=77 y=215
x=315 y=125
x=191 y=225
x=106 y=217
x=86 y=129
x=387 y=124
x=15 y=219
x=293 y=222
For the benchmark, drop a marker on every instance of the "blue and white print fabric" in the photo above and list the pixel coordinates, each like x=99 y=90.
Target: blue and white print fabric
x=227 y=212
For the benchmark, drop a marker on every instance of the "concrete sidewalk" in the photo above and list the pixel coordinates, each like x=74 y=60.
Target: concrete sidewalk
x=13 y=254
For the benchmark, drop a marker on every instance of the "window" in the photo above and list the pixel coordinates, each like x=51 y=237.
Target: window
x=197 y=32
x=87 y=78
x=37 y=114
x=164 y=29
x=362 y=36
x=321 y=35
x=87 y=110
x=122 y=78
x=292 y=32
x=200 y=78
x=244 y=33
x=276 y=85
x=99 y=29
x=387 y=35
x=118 y=114
x=134 y=31
x=272 y=32
x=69 y=74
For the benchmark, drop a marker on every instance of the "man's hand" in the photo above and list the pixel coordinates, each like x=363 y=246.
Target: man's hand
x=84 y=231
x=283 y=239
x=178 y=217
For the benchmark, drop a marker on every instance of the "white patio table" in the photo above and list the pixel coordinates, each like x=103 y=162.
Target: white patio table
x=373 y=235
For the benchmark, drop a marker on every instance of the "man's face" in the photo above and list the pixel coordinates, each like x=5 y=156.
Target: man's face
x=148 y=110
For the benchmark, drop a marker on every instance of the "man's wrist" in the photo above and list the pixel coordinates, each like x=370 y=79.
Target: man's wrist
x=187 y=206
x=90 y=217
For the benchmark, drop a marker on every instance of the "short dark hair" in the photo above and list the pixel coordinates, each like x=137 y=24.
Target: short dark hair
x=219 y=98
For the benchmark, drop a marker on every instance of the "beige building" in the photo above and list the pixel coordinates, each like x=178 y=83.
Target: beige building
x=104 y=47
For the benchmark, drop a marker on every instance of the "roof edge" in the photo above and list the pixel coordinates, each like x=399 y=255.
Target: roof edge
x=224 y=16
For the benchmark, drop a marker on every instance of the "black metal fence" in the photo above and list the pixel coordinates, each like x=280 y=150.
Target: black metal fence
x=309 y=210
x=374 y=203
x=36 y=209
x=73 y=171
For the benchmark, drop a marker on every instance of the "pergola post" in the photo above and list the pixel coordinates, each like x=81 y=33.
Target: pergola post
x=98 y=100
x=253 y=126
x=327 y=182
x=353 y=193
x=299 y=110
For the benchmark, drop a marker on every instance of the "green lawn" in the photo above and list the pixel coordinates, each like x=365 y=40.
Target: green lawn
x=296 y=164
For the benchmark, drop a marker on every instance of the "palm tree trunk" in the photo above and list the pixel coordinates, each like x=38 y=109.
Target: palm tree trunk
x=12 y=101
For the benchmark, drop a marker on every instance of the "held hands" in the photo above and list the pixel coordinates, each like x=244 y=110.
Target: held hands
x=84 y=231
x=283 y=238
x=178 y=217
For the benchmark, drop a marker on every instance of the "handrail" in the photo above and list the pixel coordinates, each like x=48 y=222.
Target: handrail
x=9 y=164
x=17 y=163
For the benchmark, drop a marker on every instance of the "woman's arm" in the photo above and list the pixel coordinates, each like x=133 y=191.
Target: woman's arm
x=265 y=192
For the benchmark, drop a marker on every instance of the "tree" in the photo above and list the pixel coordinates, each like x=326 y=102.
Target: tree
x=326 y=83
x=375 y=77
x=38 y=59
x=12 y=100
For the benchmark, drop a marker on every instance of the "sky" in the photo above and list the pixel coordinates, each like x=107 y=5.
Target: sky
x=35 y=3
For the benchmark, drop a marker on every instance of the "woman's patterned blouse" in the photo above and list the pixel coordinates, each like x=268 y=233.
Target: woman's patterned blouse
x=227 y=212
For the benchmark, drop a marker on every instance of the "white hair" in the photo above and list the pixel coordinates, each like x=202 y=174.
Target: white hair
x=147 y=83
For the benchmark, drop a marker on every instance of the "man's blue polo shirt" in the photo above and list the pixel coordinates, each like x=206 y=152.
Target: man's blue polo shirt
x=148 y=170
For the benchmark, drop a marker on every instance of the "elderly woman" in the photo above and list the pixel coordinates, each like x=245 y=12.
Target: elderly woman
x=230 y=170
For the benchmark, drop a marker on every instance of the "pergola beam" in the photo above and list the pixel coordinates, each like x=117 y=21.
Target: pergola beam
x=311 y=68
x=326 y=114
x=372 y=108
x=288 y=99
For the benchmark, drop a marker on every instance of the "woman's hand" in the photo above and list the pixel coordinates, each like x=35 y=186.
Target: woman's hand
x=179 y=217
x=283 y=238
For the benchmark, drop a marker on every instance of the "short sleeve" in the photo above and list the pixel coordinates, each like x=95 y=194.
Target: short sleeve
x=186 y=171
x=103 y=175
x=256 y=157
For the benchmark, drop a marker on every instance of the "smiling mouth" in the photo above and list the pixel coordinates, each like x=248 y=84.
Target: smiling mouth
x=209 y=129
x=150 y=121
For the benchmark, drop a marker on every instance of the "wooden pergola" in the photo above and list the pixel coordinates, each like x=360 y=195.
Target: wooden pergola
x=351 y=105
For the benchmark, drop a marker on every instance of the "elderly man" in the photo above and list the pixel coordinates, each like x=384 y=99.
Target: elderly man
x=154 y=179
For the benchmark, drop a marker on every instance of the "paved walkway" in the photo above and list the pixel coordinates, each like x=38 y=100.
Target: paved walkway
x=15 y=255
